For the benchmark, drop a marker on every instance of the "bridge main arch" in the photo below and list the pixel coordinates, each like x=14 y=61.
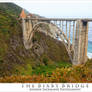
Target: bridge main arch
x=56 y=31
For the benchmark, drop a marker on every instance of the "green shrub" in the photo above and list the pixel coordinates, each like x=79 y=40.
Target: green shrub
x=45 y=61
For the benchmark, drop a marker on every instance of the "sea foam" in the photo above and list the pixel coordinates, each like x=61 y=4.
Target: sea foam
x=89 y=55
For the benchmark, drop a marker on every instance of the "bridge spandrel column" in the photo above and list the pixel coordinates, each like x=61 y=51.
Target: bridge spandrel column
x=80 y=43
x=24 y=29
x=29 y=27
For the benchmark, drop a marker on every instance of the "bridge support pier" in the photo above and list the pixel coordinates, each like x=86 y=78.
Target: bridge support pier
x=80 y=43
x=27 y=29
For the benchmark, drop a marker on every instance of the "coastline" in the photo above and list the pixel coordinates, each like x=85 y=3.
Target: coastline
x=89 y=55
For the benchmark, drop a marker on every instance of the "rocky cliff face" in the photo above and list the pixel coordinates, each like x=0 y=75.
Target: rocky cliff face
x=14 y=58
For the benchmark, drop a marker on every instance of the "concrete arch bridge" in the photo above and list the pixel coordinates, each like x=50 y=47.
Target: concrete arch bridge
x=72 y=32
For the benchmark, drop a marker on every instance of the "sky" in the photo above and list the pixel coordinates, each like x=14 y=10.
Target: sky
x=59 y=9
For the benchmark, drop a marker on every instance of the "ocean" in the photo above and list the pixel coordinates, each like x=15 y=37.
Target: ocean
x=90 y=43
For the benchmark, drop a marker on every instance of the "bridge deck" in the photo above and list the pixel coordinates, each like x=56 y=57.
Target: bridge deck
x=61 y=19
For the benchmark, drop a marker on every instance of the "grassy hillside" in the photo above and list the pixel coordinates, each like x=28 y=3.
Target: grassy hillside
x=11 y=9
x=70 y=74
x=45 y=55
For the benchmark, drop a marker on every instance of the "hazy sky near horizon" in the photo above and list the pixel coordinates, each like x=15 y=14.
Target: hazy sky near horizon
x=59 y=9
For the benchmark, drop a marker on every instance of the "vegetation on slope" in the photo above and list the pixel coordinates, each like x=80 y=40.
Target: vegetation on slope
x=74 y=74
x=14 y=58
x=11 y=9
